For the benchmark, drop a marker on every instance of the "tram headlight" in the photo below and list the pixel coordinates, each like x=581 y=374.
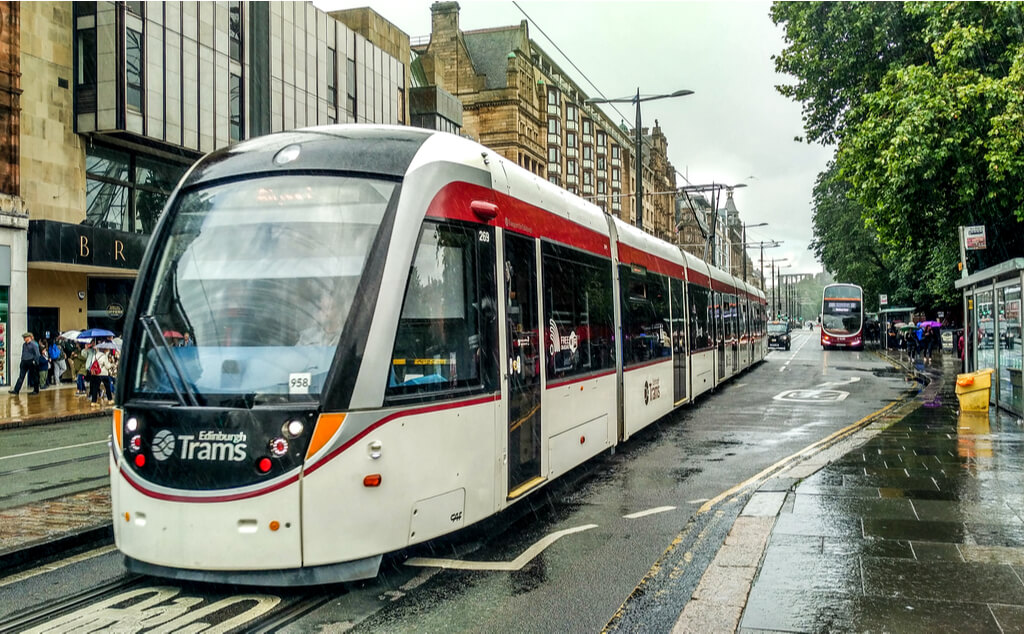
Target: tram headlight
x=132 y=424
x=293 y=428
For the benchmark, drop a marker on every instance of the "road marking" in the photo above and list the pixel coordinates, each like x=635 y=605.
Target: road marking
x=510 y=566
x=57 y=565
x=34 y=453
x=812 y=396
x=846 y=381
x=654 y=511
x=697 y=501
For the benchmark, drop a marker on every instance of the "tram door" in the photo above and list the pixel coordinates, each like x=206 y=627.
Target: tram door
x=523 y=363
x=679 y=343
x=719 y=299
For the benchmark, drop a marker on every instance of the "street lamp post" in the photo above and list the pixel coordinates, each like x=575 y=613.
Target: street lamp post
x=639 y=187
x=775 y=301
x=715 y=189
x=744 y=242
x=771 y=244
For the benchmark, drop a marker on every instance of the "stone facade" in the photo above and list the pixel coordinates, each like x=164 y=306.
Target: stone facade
x=502 y=104
x=52 y=155
x=659 y=186
x=517 y=101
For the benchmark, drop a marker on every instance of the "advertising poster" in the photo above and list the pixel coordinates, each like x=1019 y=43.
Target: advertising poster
x=3 y=353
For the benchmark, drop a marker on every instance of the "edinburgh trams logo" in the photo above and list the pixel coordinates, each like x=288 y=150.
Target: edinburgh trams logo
x=652 y=390
x=207 y=445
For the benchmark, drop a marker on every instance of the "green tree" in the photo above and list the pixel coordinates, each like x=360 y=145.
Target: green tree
x=928 y=118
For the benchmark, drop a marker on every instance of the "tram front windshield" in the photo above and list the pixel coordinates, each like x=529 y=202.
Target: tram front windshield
x=254 y=284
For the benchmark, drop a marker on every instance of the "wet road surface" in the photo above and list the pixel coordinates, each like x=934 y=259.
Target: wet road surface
x=919 y=530
x=626 y=509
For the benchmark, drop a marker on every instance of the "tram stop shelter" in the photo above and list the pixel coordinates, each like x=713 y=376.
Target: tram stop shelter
x=992 y=323
x=888 y=316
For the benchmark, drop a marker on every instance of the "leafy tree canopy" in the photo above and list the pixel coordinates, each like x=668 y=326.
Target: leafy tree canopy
x=925 y=102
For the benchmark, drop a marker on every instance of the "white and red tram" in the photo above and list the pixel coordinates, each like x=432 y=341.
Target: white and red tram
x=397 y=333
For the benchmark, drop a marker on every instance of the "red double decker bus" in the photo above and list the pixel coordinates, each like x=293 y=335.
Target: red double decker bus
x=842 y=317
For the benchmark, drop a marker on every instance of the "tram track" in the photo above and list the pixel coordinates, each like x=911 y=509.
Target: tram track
x=40 y=615
x=53 y=465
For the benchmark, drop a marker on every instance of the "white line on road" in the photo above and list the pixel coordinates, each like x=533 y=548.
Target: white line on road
x=698 y=501
x=33 y=453
x=515 y=564
x=654 y=511
x=803 y=342
x=28 y=574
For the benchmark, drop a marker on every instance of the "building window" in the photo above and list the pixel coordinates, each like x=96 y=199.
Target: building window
x=332 y=77
x=588 y=127
x=351 y=88
x=87 y=57
x=133 y=69
x=570 y=139
x=601 y=163
x=552 y=126
x=237 y=121
x=235 y=29
x=615 y=152
x=134 y=7
x=602 y=139
x=615 y=174
x=588 y=153
x=553 y=97
x=127 y=192
x=570 y=167
x=553 y=155
x=588 y=179
x=570 y=113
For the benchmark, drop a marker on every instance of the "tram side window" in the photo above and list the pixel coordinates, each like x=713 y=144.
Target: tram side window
x=645 y=316
x=445 y=344
x=578 y=312
x=700 y=313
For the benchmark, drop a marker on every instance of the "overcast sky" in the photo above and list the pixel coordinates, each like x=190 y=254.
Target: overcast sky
x=734 y=127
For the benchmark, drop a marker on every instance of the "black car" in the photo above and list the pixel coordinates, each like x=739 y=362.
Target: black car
x=778 y=334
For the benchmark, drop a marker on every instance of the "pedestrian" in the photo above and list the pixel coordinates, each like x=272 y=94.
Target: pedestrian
x=960 y=346
x=910 y=340
x=932 y=341
x=94 y=371
x=29 y=366
x=56 y=368
x=78 y=369
x=44 y=364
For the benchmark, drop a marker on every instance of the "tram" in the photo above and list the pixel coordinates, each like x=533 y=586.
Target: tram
x=842 y=317
x=395 y=333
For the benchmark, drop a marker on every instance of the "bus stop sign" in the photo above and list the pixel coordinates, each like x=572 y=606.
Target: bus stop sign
x=974 y=236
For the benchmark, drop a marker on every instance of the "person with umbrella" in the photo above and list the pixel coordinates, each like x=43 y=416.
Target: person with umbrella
x=97 y=364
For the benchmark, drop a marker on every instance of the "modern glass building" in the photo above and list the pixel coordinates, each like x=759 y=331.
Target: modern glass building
x=120 y=98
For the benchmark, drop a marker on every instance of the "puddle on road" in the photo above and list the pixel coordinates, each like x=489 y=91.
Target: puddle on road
x=683 y=474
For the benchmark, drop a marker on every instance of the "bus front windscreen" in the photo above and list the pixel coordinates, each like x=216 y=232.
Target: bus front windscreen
x=841 y=316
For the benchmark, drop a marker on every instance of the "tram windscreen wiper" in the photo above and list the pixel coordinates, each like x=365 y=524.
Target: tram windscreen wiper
x=159 y=343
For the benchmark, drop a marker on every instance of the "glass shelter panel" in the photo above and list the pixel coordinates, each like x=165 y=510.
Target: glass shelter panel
x=1009 y=347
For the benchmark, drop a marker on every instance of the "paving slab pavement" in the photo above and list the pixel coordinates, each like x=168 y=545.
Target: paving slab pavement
x=921 y=528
